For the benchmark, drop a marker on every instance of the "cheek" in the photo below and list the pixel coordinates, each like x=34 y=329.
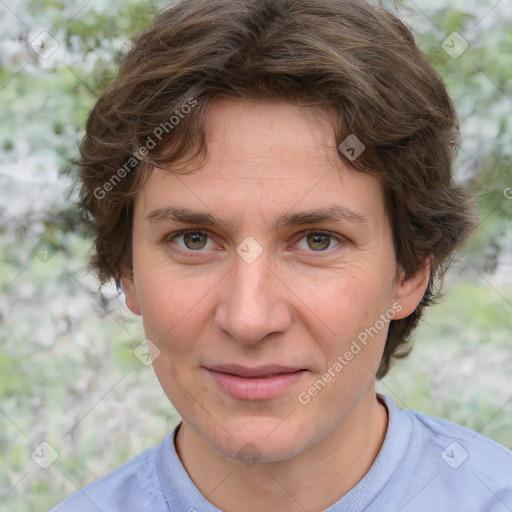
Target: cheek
x=174 y=316
x=345 y=319
x=165 y=302
x=347 y=300
x=166 y=291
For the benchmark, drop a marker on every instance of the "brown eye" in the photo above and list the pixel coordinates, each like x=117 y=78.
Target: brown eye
x=318 y=242
x=195 y=241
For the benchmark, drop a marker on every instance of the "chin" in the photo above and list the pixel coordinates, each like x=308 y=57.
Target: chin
x=260 y=440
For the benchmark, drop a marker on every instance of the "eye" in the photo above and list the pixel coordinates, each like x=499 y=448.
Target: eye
x=194 y=240
x=319 y=241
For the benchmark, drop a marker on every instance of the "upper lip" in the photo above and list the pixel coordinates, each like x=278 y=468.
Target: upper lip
x=258 y=371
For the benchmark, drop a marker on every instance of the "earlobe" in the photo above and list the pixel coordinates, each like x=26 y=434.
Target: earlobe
x=130 y=293
x=410 y=291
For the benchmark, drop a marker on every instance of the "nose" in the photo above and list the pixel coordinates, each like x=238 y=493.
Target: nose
x=254 y=301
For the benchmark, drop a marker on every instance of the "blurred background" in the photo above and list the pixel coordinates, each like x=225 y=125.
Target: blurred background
x=77 y=396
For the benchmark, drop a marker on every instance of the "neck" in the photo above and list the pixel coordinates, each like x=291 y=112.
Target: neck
x=312 y=480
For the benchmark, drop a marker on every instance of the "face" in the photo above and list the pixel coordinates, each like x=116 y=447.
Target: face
x=260 y=297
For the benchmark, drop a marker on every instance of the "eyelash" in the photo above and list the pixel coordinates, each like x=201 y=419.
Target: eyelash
x=171 y=237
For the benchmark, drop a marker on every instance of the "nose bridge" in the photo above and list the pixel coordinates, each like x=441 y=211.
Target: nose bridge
x=251 y=277
x=252 y=304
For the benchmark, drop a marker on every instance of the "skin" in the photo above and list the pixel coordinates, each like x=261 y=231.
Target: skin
x=300 y=303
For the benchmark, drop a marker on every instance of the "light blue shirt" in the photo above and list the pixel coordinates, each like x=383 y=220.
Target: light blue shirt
x=426 y=464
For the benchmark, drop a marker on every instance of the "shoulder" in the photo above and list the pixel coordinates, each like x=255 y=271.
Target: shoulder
x=459 y=444
x=131 y=487
x=435 y=464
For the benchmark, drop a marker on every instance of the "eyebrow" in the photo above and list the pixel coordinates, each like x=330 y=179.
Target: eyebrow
x=333 y=213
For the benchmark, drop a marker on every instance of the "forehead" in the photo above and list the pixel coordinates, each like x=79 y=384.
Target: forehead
x=262 y=131
x=265 y=158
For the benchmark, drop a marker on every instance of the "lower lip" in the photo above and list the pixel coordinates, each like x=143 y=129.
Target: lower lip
x=256 y=388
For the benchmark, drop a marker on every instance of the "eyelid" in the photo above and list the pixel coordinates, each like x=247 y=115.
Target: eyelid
x=175 y=234
x=298 y=237
x=336 y=236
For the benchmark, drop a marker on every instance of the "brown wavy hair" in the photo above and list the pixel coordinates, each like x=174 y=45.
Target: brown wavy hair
x=358 y=61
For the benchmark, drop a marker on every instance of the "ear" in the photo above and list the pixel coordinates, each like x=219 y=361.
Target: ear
x=130 y=292
x=410 y=291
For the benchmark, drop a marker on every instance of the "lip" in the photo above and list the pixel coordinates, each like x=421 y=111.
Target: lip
x=258 y=371
x=259 y=383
